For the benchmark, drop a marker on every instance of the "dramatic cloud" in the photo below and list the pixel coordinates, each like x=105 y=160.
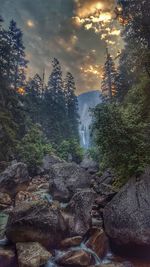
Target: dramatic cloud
x=68 y=30
x=100 y=17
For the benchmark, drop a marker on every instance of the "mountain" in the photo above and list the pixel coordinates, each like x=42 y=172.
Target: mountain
x=87 y=101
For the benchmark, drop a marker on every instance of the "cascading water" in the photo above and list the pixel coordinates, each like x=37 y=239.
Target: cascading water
x=86 y=102
x=59 y=254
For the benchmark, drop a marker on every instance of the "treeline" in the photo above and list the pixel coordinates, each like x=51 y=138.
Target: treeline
x=121 y=127
x=34 y=117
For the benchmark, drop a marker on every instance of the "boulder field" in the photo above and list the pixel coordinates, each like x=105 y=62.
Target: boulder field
x=66 y=215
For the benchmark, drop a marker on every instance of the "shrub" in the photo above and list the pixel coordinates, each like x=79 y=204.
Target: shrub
x=32 y=148
x=70 y=150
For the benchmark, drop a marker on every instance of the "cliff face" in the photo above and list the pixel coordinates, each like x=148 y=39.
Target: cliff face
x=86 y=101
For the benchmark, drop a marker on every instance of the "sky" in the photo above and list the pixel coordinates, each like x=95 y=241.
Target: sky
x=76 y=32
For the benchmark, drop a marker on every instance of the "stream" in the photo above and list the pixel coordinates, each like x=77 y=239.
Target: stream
x=109 y=258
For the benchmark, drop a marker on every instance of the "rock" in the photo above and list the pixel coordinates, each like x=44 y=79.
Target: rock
x=79 y=209
x=71 y=242
x=75 y=258
x=89 y=165
x=5 y=201
x=127 y=216
x=98 y=242
x=3 y=223
x=39 y=182
x=3 y=165
x=47 y=162
x=32 y=254
x=113 y=265
x=14 y=179
x=65 y=179
x=36 y=222
x=97 y=222
x=104 y=185
x=7 y=257
x=25 y=197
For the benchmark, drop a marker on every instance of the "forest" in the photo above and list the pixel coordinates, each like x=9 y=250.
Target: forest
x=36 y=118
x=64 y=202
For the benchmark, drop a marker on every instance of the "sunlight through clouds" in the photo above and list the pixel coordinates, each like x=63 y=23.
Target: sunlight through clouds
x=30 y=23
x=99 y=16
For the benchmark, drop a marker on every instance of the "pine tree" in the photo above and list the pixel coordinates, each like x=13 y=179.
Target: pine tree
x=72 y=105
x=109 y=86
x=34 y=93
x=11 y=105
x=55 y=82
x=56 y=105
x=4 y=50
x=16 y=61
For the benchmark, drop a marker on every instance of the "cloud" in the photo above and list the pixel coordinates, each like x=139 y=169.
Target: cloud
x=86 y=8
x=53 y=33
x=99 y=16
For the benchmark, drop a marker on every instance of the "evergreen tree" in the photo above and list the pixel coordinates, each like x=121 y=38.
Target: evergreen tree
x=11 y=103
x=34 y=93
x=109 y=86
x=55 y=82
x=72 y=106
x=16 y=61
x=4 y=50
x=56 y=105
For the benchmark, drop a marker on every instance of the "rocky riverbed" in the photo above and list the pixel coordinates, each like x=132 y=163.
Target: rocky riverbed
x=69 y=216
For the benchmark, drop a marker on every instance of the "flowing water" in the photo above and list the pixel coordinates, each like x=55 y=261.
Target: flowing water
x=109 y=258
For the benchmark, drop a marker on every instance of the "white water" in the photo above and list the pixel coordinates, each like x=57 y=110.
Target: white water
x=86 y=102
x=59 y=254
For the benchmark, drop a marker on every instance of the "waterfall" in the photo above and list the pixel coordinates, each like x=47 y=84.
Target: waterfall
x=86 y=101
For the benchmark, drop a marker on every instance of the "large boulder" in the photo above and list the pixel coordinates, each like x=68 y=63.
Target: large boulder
x=127 y=216
x=103 y=185
x=47 y=162
x=79 y=212
x=90 y=165
x=98 y=242
x=66 y=178
x=14 y=179
x=36 y=222
x=32 y=254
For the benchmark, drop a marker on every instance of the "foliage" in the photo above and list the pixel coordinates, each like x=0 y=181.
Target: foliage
x=32 y=148
x=93 y=153
x=70 y=150
x=8 y=136
x=121 y=132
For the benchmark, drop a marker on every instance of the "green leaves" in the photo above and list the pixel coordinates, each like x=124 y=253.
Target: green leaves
x=70 y=150
x=32 y=148
x=122 y=132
